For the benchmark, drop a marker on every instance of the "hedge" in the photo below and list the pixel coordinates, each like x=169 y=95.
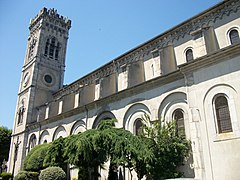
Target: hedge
x=35 y=158
x=25 y=175
x=5 y=175
x=52 y=173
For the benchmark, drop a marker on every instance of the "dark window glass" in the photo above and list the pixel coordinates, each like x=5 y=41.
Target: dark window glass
x=48 y=78
x=138 y=127
x=46 y=48
x=234 y=36
x=189 y=55
x=223 y=115
x=179 y=118
x=33 y=142
x=52 y=47
x=57 y=51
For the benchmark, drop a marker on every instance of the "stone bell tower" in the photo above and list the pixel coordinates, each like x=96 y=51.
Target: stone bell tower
x=42 y=75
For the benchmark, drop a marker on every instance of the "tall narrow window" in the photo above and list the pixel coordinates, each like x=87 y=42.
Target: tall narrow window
x=57 y=51
x=189 y=55
x=222 y=114
x=234 y=36
x=152 y=68
x=179 y=118
x=46 y=48
x=138 y=126
x=32 y=142
x=52 y=47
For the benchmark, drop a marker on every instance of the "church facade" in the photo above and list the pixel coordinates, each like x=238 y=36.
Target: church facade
x=189 y=74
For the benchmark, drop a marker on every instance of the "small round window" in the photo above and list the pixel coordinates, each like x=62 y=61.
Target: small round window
x=48 y=78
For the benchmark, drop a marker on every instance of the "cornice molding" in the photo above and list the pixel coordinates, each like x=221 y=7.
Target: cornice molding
x=200 y=21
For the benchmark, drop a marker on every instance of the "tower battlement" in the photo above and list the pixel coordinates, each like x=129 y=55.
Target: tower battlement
x=52 y=16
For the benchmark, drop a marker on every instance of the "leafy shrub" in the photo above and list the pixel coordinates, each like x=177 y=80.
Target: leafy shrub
x=54 y=156
x=25 y=175
x=52 y=173
x=35 y=158
x=6 y=176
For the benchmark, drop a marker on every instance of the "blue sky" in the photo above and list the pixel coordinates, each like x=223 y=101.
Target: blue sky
x=101 y=31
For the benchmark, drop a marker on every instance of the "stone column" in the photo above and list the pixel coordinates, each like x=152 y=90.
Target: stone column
x=136 y=73
x=167 y=60
x=108 y=85
x=87 y=94
x=210 y=39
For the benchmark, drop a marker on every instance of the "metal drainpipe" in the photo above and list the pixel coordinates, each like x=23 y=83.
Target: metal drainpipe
x=186 y=86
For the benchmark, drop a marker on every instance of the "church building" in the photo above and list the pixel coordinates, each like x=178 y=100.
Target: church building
x=189 y=74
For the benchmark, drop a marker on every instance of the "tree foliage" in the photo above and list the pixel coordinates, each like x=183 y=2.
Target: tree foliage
x=156 y=153
x=26 y=175
x=35 y=158
x=6 y=176
x=52 y=173
x=169 y=149
x=5 y=141
x=54 y=155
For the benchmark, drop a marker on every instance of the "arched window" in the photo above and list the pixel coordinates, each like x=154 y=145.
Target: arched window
x=46 y=48
x=138 y=126
x=189 y=55
x=20 y=112
x=152 y=68
x=222 y=114
x=32 y=142
x=234 y=36
x=52 y=47
x=179 y=118
x=57 y=51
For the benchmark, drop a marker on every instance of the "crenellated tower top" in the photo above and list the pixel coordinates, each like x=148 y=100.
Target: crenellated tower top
x=51 y=16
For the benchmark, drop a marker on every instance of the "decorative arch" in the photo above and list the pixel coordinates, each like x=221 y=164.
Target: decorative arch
x=170 y=102
x=229 y=34
x=102 y=116
x=78 y=127
x=32 y=141
x=44 y=137
x=135 y=112
x=210 y=112
x=59 y=132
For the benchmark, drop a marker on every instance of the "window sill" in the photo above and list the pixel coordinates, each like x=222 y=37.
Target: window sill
x=225 y=137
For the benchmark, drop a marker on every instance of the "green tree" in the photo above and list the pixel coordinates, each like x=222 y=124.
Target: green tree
x=123 y=148
x=52 y=173
x=5 y=141
x=169 y=149
x=81 y=151
x=54 y=155
x=157 y=152
x=35 y=158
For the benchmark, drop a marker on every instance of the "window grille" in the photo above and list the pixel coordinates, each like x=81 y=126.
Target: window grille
x=234 y=36
x=223 y=115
